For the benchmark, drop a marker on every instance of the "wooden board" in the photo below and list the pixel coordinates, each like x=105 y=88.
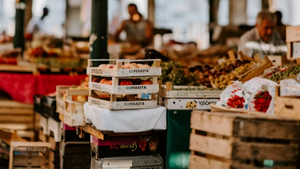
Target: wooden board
x=232 y=139
x=286 y=106
x=266 y=63
x=155 y=70
x=171 y=91
x=93 y=131
x=198 y=162
x=232 y=125
x=236 y=149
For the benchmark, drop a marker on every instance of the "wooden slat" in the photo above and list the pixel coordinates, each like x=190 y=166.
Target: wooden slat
x=235 y=149
x=54 y=145
x=197 y=162
x=269 y=129
x=212 y=123
x=287 y=107
x=211 y=145
x=12 y=119
x=42 y=136
x=93 y=131
x=15 y=104
x=16 y=126
x=262 y=151
x=72 y=92
x=20 y=111
x=234 y=124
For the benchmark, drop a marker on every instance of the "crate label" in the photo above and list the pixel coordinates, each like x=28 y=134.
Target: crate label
x=96 y=71
x=36 y=148
x=136 y=89
x=134 y=104
x=188 y=104
x=194 y=93
x=95 y=86
x=100 y=72
x=139 y=72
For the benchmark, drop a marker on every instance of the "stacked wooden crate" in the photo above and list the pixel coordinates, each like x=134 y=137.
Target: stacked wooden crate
x=124 y=84
x=239 y=141
x=17 y=116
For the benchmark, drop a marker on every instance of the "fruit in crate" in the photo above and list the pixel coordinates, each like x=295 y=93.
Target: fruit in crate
x=146 y=82
x=107 y=66
x=97 y=80
x=177 y=76
x=193 y=79
x=143 y=66
x=81 y=98
x=166 y=69
x=243 y=69
x=130 y=66
x=126 y=83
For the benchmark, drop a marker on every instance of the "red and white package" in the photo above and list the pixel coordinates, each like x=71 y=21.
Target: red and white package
x=262 y=95
x=234 y=96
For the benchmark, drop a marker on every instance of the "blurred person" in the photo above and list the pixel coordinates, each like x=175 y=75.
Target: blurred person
x=262 y=39
x=279 y=26
x=139 y=31
x=36 y=25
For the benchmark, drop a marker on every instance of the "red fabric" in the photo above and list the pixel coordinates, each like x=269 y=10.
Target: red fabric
x=22 y=87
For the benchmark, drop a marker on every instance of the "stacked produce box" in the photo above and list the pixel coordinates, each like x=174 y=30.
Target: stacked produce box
x=119 y=85
x=124 y=86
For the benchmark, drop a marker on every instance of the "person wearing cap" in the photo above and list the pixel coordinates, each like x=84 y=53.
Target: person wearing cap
x=262 y=39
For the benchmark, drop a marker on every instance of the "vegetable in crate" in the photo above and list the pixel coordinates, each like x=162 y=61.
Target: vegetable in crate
x=177 y=76
x=234 y=96
x=236 y=101
x=262 y=101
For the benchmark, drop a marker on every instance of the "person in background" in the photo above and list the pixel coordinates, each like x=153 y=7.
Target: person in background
x=37 y=25
x=262 y=39
x=279 y=26
x=138 y=30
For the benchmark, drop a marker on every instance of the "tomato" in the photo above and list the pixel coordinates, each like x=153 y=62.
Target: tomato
x=126 y=83
x=103 y=81
x=147 y=82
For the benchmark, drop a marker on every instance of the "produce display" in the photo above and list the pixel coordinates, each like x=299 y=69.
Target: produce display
x=9 y=57
x=262 y=101
x=208 y=76
x=283 y=73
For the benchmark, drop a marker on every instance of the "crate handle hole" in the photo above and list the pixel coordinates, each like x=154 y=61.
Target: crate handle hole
x=289 y=106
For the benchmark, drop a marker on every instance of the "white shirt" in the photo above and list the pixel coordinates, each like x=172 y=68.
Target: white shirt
x=251 y=43
x=36 y=25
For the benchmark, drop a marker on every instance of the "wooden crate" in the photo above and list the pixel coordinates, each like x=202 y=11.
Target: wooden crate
x=286 y=106
x=292 y=37
x=238 y=141
x=113 y=104
x=217 y=108
x=60 y=103
x=17 y=116
x=171 y=91
x=265 y=64
x=73 y=110
x=120 y=72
